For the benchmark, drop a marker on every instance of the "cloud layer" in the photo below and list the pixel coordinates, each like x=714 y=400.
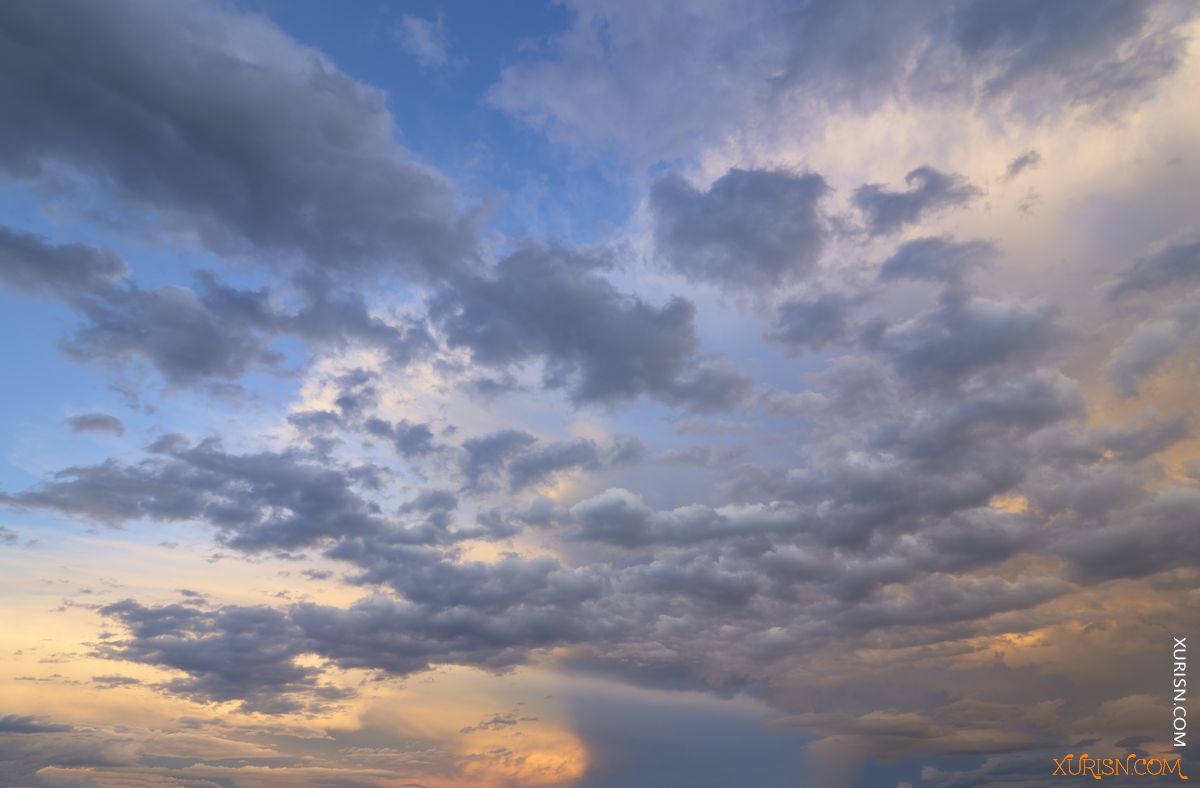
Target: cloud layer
x=880 y=444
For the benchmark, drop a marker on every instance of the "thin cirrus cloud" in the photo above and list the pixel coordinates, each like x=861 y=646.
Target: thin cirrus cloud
x=849 y=479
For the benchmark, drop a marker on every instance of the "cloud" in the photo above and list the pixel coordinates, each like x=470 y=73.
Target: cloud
x=402 y=638
x=490 y=617
x=96 y=422
x=539 y=464
x=1171 y=265
x=604 y=346
x=191 y=334
x=15 y=723
x=410 y=440
x=525 y=461
x=213 y=124
x=113 y=681
x=233 y=653
x=965 y=335
x=1146 y=349
x=487 y=454
x=933 y=504
x=811 y=323
x=33 y=266
x=1107 y=56
x=494 y=723
x=259 y=501
x=424 y=40
x=657 y=736
x=930 y=190
x=1026 y=161
x=936 y=260
x=752 y=228
x=658 y=84
x=1155 y=536
x=622 y=518
x=174 y=329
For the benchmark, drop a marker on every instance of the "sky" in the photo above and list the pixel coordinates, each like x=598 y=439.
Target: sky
x=595 y=393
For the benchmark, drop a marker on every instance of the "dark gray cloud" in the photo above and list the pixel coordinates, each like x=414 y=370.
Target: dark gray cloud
x=709 y=387
x=486 y=455
x=202 y=121
x=113 y=681
x=936 y=260
x=191 y=334
x=811 y=324
x=16 y=723
x=96 y=422
x=432 y=501
x=173 y=329
x=263 y=501
x=409 y=439
x=1155 y=535
x=621 y=518
x=1105 y=55
x=34 y=266
x=752 y=228
x=929 y=191
x=1026 y=161
x=246 y=654
x=488 y=616
x=521 y=460
x=604 y=346
x=1174 y=265
x=965 y=335
x=403 y=638
x=496 y=722
x=315 y=421
x=1139 y=441
x=538 y=464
